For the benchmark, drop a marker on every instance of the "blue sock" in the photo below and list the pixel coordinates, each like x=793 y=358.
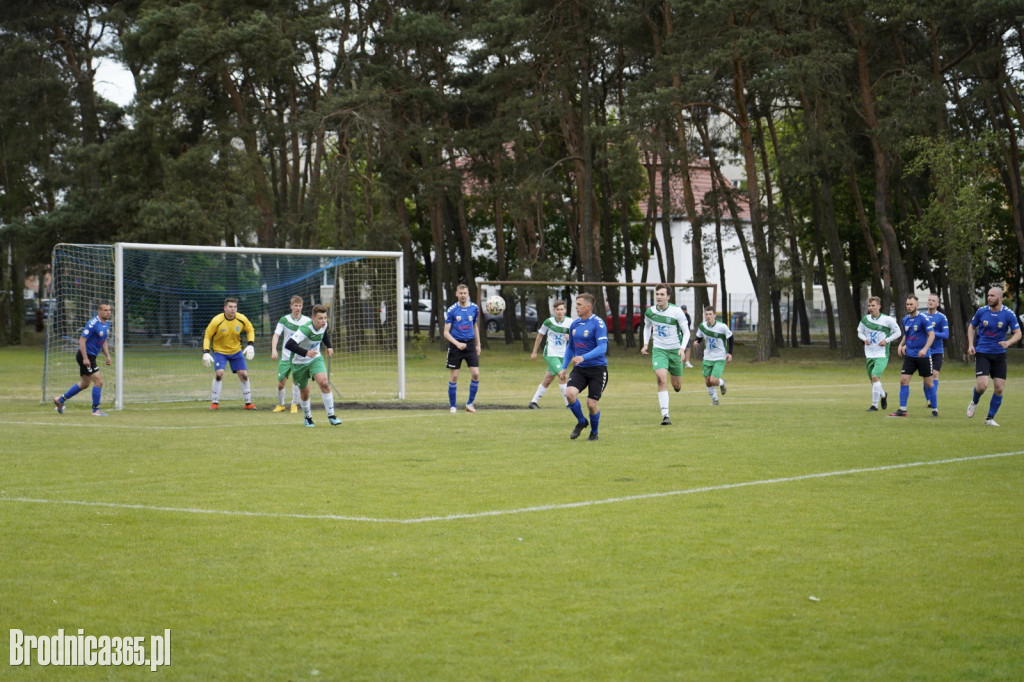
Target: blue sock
x=935 y=394
x=904 y=396
x=96 y=393
x=578 y=411
x=451 y=393
x=71 y=392
x=594 y=420
x=473 y=386
x=993 y=405
x=977 y=397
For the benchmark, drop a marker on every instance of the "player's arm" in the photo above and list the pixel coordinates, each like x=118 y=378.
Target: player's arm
x=476 y=331
x=567 y=360
x=862 y=333
x=970 y=337
x=542 y=331
x=1013 y=339
x=106 y=351
x=326 y=343
x=211 y=331
x=598 y=350
x=896 y=333
x=294 y=347
x=250 y=331
x=686 y=341
x=923 y=353
x=728 y=347
x=250 y=335
x=648 y=325
x=451 y=339
x=81 y=345
x=273 y=345
x=942 y=333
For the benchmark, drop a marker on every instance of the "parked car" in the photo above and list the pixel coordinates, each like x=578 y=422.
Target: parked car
x=44 y=308
x=496 y=323
x=634 y=323
x=422 y=313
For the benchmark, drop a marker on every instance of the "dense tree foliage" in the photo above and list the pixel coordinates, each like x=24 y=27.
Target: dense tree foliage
x=880 y=140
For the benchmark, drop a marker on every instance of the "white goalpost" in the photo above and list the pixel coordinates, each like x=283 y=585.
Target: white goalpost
x=164 y=296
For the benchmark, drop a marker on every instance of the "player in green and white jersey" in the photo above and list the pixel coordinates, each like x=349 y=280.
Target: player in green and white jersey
x=556 y=331
x=286 y=326
x=308 y=361
x=717 y=338
x=877 y=331
x=667 y=325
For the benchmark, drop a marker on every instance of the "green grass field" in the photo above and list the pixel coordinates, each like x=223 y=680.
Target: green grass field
x=785 y=535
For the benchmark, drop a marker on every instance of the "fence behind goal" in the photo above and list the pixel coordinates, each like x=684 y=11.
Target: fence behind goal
x=165 y=295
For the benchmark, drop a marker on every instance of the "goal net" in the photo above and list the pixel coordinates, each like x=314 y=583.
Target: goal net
x=164 y=296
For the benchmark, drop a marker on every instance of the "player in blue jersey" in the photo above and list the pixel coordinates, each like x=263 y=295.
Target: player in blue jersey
x=587 y=349
x=92 y=340
x=462 y=330
x=938 y=348
x=915 y=349
x=996 y=328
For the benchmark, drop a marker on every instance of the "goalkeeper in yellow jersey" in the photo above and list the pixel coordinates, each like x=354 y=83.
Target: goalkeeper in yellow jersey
x=224 y=338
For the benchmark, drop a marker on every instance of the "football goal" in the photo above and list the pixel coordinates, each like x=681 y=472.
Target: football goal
x=164 y=296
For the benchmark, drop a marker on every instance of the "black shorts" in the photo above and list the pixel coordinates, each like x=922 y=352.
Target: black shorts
x=937 y=362
x=594 y=379
x=922 y=366
x=456 y=356
x=990 y=364
x=86 y=368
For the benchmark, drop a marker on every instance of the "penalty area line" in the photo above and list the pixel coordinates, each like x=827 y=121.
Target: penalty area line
x=520 y=510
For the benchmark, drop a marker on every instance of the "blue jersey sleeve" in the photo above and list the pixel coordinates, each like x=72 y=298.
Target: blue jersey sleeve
x=597 y=351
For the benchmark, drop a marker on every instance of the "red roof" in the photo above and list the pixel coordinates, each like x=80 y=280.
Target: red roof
x=701 y=181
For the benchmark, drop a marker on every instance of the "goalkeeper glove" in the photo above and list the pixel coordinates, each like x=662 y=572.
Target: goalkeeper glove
x=249 y=352
x=207 y=360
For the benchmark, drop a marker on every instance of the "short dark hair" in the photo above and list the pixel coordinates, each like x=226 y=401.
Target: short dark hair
x=230 y=299
x=589 y=298
x=661 y=286
x=318 y=308
x=709 y=308
x=557 y=303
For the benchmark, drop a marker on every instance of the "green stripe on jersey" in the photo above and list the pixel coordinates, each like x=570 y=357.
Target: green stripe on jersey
x=708 y=332
x=874 y=326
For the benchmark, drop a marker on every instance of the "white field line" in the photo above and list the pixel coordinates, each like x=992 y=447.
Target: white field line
x=510 y=512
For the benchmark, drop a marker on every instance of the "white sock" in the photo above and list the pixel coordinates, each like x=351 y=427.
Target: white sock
x=296 y=397
x=280 y=396
x=721 y=382
x=215 y=391
x=246 y=392
x=663 y=402
x=876 y=393
x=712 y=392
x=541 y=390
x=306 y=409
x=562 y=387
x=328 y=399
